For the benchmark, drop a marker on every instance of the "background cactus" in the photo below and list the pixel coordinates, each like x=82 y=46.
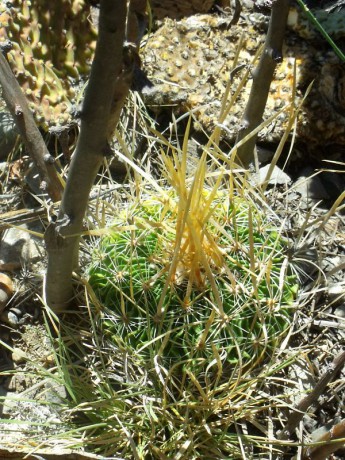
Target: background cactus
x=52 y=47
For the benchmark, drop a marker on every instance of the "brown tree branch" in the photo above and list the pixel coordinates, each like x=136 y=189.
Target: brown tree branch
x=299 y=411
x=263 y=75
x=110 y=80
x=20 y=111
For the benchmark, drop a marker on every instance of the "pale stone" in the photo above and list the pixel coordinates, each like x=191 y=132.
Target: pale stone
x=18 y=249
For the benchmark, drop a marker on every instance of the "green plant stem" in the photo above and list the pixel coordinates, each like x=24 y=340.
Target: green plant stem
x=322 y=31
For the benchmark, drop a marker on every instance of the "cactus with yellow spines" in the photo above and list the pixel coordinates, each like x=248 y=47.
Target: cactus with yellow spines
x=194 y=276
x=53 y=44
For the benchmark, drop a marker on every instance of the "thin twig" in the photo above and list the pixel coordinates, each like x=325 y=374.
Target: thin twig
x=299 y=411
x=37 y=149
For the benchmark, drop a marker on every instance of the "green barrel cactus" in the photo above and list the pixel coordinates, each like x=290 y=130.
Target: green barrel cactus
x=194 y=278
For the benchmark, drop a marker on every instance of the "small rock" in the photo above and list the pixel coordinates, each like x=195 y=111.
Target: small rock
x=339 y=312
x=8 y=134
x=264 y=154
x=336 y=290
x=277 y=177
x=17 y=311
x=332 y=264
x=6 y=290
x=55 y=393
x=3 y=299
x=334 y=183
x=309 y=423
x=9 y=318
x=18 y=248
x=3 y=167
x=18 y=356
x=310 y=186
x=300 y=372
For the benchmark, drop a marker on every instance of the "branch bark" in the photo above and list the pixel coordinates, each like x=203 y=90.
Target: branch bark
x=110 y=80
x=20 y=111
x=299 y=411
x=263 y=75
